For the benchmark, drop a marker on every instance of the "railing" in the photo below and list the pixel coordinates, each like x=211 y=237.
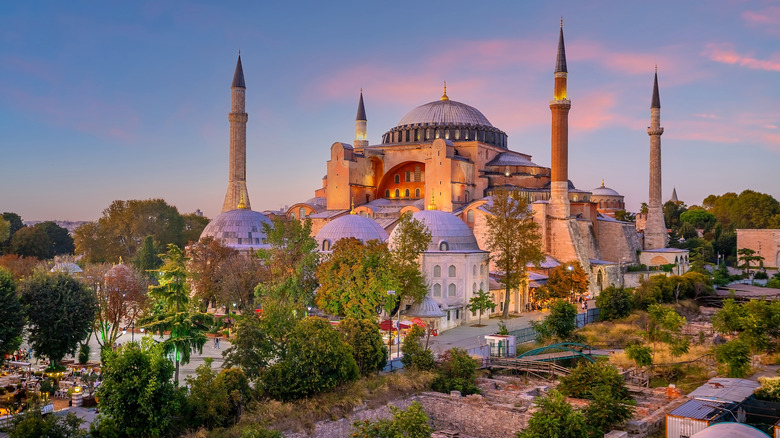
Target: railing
x=531 y=366
x=528 y=334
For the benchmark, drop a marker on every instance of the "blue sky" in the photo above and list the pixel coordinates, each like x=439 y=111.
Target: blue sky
x=129 y=100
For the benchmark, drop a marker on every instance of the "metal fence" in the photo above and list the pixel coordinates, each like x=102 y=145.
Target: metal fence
x=528 y=334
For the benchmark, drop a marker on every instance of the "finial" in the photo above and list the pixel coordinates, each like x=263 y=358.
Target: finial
x=561 y=21
x=432 y=205
x=656 y=69
x=241 y=204
x=602 y=182
x=352 y=205
x=444 y=96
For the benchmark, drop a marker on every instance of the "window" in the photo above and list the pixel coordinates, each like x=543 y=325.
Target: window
x=417 y=172
x=457 y=313
x=302 y=212
x=437 y=271
x=452 y=271
x=447 y=134
x=451 y=290
x=474 y=270
x=474 y=287
x=387 y=193
x=397 y=192
x=467 y=197
x=428 y=134
x=408 y=175
x=326 y=245
x=448 y=315
x=416 y=193
x=292 y=216
x=457 y=134
x=406 y=193
x=482 y=269
x=470 y=216
x=436 y=290
x=481 y=286
x=397 y=179
x=444 y=246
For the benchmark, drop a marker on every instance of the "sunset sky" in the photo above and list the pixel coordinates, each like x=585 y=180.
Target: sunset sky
x=129 y=100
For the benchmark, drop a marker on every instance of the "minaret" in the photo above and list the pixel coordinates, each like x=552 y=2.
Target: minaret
x=236 y=191
x=655 y=230
x=560 y=106
x=361 y=138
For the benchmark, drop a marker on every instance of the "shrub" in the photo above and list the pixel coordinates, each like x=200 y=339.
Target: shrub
x=409 y=423
x=415 y=355
x=555 y=418
x=456 y=373
x=642 y=355
x=84 y=353
x=613 y=303
x=760 y=275
x=363 y=336
x=585 y=377
x=607 y=410
x=736 y=355
x=559 y=324
x=770 y=389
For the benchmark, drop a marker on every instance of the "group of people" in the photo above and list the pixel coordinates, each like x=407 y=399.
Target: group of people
x=23 y=354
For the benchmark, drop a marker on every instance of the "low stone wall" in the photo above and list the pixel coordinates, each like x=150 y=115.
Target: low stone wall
x=343 y=427
x=473 y=415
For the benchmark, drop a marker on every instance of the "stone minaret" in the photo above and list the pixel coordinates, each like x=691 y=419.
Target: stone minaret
x=655 y=230
x=361 y=139
x=236 y=191
x=560 y=106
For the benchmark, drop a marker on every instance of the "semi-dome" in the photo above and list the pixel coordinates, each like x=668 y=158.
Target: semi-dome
x=445 y=112
x=448 y=232
x=240 y=229
x=350 y=225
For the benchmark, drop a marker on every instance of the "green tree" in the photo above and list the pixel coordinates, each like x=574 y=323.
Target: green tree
x=625 y=216
x=5 y=231
x=416 y=356
x=216 y=399
x=747 y=256
x=735 y=354
x=60 y=312
x=665 y=325
x=194 y=224
x=590 y=375
x=291 y=261
x=607 y=410
x=172 y=311
x=555 y=418
x=756 y=323
x=642 y=355
x=137 y=397
x=31 y=242
x=11 y=314
x=32 y=424
x=513 y=239
x=316 y=360
x=700 y=218
x=355 y=278
x=409 y=423
x=456 y=372
x=365 y=339
x=410 y=238
x=559 y=325
x=613 y=303
x=15 y=224
x=147 y=259
x=769 y=389
x=672 y=211
x=479 y=303
x=61 y=242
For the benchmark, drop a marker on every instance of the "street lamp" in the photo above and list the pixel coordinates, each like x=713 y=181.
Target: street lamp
x=571 y=281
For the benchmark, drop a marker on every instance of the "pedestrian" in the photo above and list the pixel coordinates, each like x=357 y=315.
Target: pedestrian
x=584 y=305
x=216 y=342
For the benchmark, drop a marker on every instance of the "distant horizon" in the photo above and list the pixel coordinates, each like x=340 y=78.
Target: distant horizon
x=115 y=102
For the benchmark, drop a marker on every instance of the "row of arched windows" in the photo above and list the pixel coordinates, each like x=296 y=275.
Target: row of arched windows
x=406 y=193
x=452 y=289
x=406 y=135
x=452 y=271
x=611 y=204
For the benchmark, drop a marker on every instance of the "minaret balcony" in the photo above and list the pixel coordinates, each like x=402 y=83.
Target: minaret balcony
x=654 y=131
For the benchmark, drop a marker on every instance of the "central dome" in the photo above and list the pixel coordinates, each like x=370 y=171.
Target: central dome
x=445 y=112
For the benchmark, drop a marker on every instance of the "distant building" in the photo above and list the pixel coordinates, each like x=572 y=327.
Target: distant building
x=766 y=243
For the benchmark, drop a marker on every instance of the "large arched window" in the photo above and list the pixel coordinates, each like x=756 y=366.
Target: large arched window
x=452 y=271
x=292 y=216
x=474 y=270
x=470 y=216
x=482 y=269
x=406 y=193
x=482 y=286
x=437 y=271
x=451 y=290
x=436 y=290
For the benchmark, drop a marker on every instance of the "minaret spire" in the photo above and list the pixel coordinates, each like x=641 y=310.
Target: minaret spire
x=236 y=192
x=361 y=123
x=655 y=229
x=560 y=106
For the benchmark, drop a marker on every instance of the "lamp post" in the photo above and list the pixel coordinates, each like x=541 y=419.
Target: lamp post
x=397 y=327
x=571 y=281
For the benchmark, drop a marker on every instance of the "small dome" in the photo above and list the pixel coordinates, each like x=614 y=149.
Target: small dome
x=427 y=308
x=239 y=229
x=118 y=271
x=350 y=225
x=604 y=191
x=66 y=267
x=448 y=232
x=445 y=112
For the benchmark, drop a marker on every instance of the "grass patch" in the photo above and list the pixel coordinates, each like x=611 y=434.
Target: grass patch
x=612 y=334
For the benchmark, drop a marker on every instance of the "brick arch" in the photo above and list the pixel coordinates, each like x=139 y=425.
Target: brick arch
x=388 y=180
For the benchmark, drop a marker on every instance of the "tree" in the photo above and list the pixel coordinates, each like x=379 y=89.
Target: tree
x=121 y=231
x=355 y=278
x=216 y=399
x=121 y=297
x=205 y=257
x=479 y=303
x=642 y=355
x=33 y=424
x=567 y=281
x=60 y=312
x=606 y=410
x=700 y=219
x=19 y=267
x=559 y=324
x=171 y=310
x=665 y=325
x=409 y=423
x=414 y=354
x=147 y=259
x=237 y=278
x=31 y=242
x=316 y=359
x=735 y=354
x=61 y=242
x=590 y=375
x=748 y=256
x=555 y=417
x=137 y=397
x=513 y=239
x=11 y=314
x=756 y=322
x=410 y=239
x=672 y=211
x=194 y=224
x=291 y=261
x=5 y=230
x=613 y=303
x=456 y=372
x=625 y=216
x=14 y=224
x=368 y=349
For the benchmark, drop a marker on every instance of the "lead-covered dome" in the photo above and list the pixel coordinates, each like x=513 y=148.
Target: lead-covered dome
x=604 y=191
x=240 y=229
x=350 y=225
x=445 y=112
x=448 y=232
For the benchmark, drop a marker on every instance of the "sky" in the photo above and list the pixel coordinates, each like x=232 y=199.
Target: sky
x=111 y=100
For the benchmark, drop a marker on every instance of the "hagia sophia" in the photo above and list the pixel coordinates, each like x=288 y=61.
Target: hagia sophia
x=442 y=162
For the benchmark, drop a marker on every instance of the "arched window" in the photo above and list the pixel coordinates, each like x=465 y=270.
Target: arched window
x=452 y=271
x=437 y=271
x=406 y=193
x=428 y=134
x=575 y=198
x=482 y=269
x=302 y=212
x=417 y=174
x=292 y=216
x=326 y=245
x=474 y=270
x=447 y=134
x=397 y=192
x=482 y=286
x=444 y=246
x=470 y=216
x=438 y=132
x=467 y=197
x=397 y=178
x=416 y=193
x=387 y=193
x=474 y=287
x=436 y=290
x=451 y=290
x=418 y=135
x=408 y=175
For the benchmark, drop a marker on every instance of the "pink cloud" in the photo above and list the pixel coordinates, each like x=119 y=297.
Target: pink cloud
x=768 y=17
x=726 y=54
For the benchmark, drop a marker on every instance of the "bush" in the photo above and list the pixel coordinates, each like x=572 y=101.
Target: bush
x=613 y=303
x=555 y=418
x=84 y=353
x=559 y=324
x=607 y=410
x=735 y=354
x=769 y=390
x=642 y=355
x=32 y=424
x=760 y=275
x=409 y=423
x=456 y=372
x=585 y=377
x=363 y=336
x=217 y=399
x=414 y=355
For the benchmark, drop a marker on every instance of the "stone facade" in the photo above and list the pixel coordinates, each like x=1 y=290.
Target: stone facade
x=474 y=415
x=766 y=243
